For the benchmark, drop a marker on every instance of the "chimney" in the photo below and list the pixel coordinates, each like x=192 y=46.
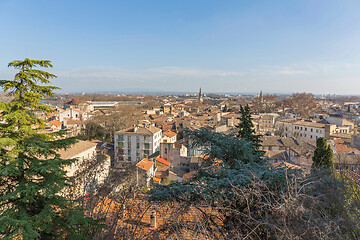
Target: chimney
x=135 y=128
x=153 y=219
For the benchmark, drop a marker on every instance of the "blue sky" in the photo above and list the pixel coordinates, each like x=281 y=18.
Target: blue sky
x=180 y=45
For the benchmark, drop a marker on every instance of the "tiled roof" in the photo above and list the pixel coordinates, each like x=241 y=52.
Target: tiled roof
x=169 y=133
x=135 y=214
x=156 y=180
x=309 y=124
x=163 y=161
x=76 y=149
x=56 y=123
x=286 y=165
x=141 y=130
x=276 y=154
x=145 y=164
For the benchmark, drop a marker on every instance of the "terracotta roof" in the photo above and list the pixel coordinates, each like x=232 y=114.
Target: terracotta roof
x=145 y=164
x=286 y=165
x=156 y=180
x=55 y=123
x=345 y=148
x=169 y=133
x=135 y=214
x=163 y=161
x=76 y=149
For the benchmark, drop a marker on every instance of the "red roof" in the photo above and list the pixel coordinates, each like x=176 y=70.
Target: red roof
x=163 y=161
x=145 y=164
x=55 y=123
x=169 y=133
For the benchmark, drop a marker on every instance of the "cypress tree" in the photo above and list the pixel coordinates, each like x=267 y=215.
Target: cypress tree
x=246 y=128
x=31 y=171
x=323 y=156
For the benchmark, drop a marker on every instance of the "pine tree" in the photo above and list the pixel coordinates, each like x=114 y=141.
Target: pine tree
x=246 y=128
x=323 y=156
x=31 y=172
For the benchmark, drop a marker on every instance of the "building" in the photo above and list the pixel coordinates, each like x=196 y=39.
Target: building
x=103 y=105
x=169 y=137
x=136 y=142
x=267 y=123
x=89 y=171
x=304 y=129
x=72 y=113
x=312 y=130
x=145 y=171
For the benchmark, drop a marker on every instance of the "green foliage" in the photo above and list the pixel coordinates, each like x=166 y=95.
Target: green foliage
x=31 y=170
x=323 y=156
x=94 y=131
x=246 y=128
x=229 y=149
x=255 y=200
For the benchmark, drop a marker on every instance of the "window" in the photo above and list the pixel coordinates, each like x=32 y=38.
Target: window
x=121 y=138
x=310 y=136
x=137 y=145
x=137 y=139
x=305 y=129
x=146 y=145
x=311 y=130
x=165 y=150
x=317 y=130
x=300 y=128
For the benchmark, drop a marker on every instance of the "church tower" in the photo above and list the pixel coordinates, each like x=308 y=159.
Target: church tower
x=200 y=97
x=261 y=99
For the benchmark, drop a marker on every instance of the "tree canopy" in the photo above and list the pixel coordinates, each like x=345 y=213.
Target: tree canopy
x=246 y=128
x=32 y=173
x=323 y=156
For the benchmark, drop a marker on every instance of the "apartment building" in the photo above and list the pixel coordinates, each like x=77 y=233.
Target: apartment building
x=137 y=142
x=304 y=129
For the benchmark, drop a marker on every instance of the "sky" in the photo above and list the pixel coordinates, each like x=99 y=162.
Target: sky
x=236 y=46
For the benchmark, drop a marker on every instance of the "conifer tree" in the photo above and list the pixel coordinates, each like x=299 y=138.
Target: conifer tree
x=31 y=171
x=323 y=156
x=246 y=128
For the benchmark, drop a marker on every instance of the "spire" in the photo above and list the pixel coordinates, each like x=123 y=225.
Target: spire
x=261 y=97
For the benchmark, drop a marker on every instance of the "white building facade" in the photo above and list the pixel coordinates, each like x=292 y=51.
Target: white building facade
x=136 y=143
